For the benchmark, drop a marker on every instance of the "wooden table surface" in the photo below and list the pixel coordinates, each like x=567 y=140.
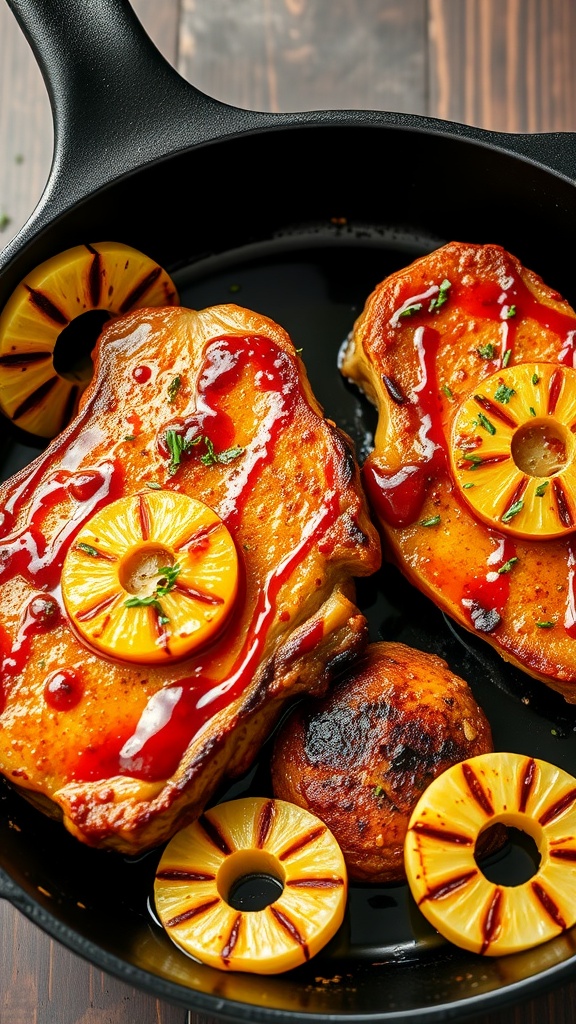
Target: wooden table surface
x=502 y=64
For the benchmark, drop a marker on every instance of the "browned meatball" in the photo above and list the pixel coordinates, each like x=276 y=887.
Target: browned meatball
x=360 y=757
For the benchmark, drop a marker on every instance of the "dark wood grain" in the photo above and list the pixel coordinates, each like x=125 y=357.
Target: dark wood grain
x=503 y=64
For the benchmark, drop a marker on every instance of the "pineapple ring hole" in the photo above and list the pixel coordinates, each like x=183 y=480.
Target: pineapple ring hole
x=250 y=880
x=542 y=448
x=72 y=353
x=514 y=862
x=140 y=570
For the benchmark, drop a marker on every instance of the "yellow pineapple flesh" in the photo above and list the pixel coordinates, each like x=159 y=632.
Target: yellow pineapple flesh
x=447 y=882
x=253 y=835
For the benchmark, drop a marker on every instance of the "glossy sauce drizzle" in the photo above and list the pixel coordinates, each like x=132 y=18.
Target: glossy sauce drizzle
x=397 y=497
x=174 y=714
x=484 y=597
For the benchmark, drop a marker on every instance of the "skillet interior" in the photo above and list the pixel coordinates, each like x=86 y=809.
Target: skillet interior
x=307 y=223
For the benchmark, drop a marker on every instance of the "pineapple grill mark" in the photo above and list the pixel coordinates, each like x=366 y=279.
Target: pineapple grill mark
x=494 y=411
x=477 y=791
x=184 y=875
x=229 y=945
x=187 y=915
x=35 y=398
x=45 y=305
x=289 y=927
x=516 y=496
x=214 y=835
x=394 y=390
x=144 y=516
x=492 y=922
x=201 y=536
x=91 y=613
x=264 y=824
x=24 y=358
x=304 y=840
x=315 y=883
x=564 y=513
x=140 y=289
x=437 y=892
x=548 y=904
x=554 y=393
x=527 y=784
x=444 y=835
x=95 y=277
x=558 y=808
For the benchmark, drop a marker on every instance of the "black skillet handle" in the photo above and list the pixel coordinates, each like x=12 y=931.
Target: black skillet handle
x=116 y=102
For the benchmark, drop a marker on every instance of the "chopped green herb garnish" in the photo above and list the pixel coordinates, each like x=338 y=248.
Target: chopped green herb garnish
x=469 y=484
x=42 y=663
x=176 y=445
x=446 y=390
x=535 y=378
x=532 y=410
x=88 y=549
x=174 y=388
x=129 y=437
x=410 y=310
x=507 y=566
x=5 y=220
x=485 y=422
x=503 y=393
x=432 y=521
x=148 y=602
x=486 y=351
x=541 y=489
x=513 y=511
x=545 y=624
x=474 y=459
x=510 y=312
x=168 y=576
x=154 y=485
x=506 y=357
x=378 y=790
x=210 y=458
x=442 y=297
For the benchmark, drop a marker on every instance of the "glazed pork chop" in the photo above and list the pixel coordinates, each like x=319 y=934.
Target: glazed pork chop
x=469 y=358
x=175 y=566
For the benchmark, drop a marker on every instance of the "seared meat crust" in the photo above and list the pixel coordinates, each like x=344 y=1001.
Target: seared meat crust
x=427 y=340
x=360 y=757
x=128 y=752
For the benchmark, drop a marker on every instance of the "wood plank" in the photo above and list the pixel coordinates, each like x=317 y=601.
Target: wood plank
x=506 y=66
x=307 y=54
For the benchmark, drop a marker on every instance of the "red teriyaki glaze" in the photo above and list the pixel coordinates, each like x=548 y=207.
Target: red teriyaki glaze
x=484 y=597
x=175 y=714
x=275 y=373
x=27 y=552
x=63 y=689
x=397 y=497
x=42 y=613
x=141 y=374
x=570 y=613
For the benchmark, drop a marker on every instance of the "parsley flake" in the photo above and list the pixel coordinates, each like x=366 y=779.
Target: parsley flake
x=532 y=410
x=410 y=310
x=513 y=511
x=431 y=521
x=211 y=457
x=541 y=489
x=506 y=357
x=449 y=394
x=545 y=624
x=153 y=485
x=174 y=387
x=510 y=312
x=535 y=378
x=88 y=549
x=507 y=566
x=485 y=422
x=486 y=351
x=469 y=484
x=442 y=296
x=503 y=393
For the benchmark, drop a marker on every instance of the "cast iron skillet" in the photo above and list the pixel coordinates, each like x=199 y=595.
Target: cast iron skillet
x=298 y=216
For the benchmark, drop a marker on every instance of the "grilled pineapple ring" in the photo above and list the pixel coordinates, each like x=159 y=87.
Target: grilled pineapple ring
x=451 y=890
x=513 y=450
x=151 y=577
x=40 y=385
x=203 y=863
